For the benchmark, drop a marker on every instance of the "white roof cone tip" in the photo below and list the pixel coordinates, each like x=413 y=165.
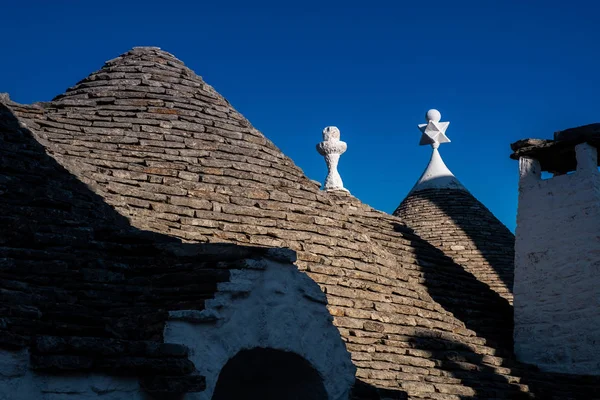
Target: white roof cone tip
x=436 y=175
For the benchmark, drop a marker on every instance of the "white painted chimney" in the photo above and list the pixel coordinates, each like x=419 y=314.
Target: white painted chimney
x=557 y=260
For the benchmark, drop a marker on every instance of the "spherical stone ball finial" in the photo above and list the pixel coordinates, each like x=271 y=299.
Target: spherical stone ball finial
x=433 y=115
x=331 y=133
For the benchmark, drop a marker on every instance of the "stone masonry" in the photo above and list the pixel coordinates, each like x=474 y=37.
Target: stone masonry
x=171 y=156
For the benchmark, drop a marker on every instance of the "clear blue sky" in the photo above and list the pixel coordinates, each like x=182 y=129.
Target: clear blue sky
x=499 y=71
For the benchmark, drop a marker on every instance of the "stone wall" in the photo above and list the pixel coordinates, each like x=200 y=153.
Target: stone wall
x=557 y=267
x=19 y=382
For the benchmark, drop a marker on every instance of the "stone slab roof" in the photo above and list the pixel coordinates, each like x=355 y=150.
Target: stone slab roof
x=466 y=231
x=171 y=156
x=82 y=289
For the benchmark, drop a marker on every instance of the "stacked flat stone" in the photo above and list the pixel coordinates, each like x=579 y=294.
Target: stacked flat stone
x=82 y=290
x=158 y=144
x=557 y=156
x=466 y=231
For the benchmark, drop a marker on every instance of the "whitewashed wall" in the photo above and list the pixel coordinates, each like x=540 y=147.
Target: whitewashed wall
x=268 y=305
x=557 y=268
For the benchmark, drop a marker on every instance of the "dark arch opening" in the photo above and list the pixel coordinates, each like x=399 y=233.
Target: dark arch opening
x=269 y=374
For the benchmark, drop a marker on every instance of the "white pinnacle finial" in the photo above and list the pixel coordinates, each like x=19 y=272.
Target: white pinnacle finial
x=436 y=175
x=434 y=131
x=331 y=148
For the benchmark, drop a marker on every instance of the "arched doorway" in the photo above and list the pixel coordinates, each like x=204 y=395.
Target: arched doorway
x=269 y=374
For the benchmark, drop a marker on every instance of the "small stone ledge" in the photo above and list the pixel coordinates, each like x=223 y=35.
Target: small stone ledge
x=210 y=251
x=173 y=384
x=282 y=255
x=558 y=155
x=106 y=347
x=12 y=341
x=228 y=252
x=316 y=183
x=250 y=263
x=240 y=287
x=341 y=192
x=194 y=316
x=127 y=366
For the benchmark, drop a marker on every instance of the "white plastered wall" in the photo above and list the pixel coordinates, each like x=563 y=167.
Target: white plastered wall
x=269 y=304
x=557 y=267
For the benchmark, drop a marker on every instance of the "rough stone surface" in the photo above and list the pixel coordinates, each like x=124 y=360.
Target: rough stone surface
x=139 y=162
x=21 y=383
x=557 y=156
x=557 y=307
x=465 y=230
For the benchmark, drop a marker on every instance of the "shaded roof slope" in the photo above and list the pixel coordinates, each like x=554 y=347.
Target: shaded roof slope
x=82 y=290
x=465 y=230
x=171 y=155
x=443 y=212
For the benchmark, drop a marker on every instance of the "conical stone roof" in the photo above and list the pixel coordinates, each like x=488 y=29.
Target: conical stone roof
x=459 y=224
x=172 y=156
x=443 y=212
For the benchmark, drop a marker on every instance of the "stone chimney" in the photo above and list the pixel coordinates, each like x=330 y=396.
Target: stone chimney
x=557 y=253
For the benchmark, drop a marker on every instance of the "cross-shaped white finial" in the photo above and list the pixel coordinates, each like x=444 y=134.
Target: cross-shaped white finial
x=434 y=131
